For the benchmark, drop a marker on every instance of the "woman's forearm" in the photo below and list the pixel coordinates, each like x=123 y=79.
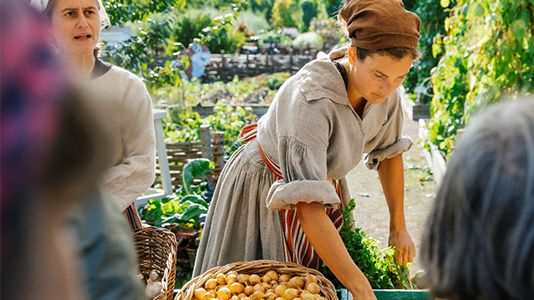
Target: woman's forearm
x=391 y=173
x=328 y=244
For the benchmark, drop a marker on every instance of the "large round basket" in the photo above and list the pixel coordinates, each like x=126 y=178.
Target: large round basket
x=257 y=267
x=156 y=250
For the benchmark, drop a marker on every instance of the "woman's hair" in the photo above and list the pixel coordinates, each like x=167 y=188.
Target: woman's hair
x=398 y=52
x=479 y=239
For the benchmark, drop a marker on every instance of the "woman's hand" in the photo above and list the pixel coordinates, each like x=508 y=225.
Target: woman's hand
x=402 y=241
x=364 y=292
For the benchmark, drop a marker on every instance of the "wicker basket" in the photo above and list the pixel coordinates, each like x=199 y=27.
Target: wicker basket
x=156 y=250
x=257 y=267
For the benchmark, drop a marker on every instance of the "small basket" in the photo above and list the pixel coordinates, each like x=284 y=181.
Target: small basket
x=257 y=267
x=156 y=250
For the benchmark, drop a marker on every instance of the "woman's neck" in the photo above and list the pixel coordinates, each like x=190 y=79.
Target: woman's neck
x=82 y=65
x=355 y=97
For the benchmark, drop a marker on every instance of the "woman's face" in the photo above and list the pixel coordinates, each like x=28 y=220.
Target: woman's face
x=378 y=76
x=76 y=26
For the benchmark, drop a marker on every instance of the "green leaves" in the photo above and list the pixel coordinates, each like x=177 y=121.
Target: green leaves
x=487 y=51
x=122 y=11
x=195 y=168
x=188 y=211
x=183 y=125
x=432 y=14
x=379 y=266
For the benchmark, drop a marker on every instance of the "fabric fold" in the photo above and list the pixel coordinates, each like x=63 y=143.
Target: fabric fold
x=373 y=159
x=284 y=195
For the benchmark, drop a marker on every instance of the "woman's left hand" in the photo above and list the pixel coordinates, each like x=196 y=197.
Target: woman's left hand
x=402 y=241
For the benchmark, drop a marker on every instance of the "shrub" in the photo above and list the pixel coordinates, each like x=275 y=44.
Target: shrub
x=284 y=14
x=309 y=11
x=308 y=39
x=255 y=22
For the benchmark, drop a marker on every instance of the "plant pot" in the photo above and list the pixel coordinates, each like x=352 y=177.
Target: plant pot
x=383 y=294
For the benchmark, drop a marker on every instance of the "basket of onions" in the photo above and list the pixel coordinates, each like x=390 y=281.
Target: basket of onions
x=259 y=279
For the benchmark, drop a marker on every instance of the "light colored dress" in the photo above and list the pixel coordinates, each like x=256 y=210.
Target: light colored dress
x=122 y=104
x=312 y=132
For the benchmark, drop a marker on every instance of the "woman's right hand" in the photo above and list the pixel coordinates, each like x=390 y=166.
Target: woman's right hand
x=364 y=292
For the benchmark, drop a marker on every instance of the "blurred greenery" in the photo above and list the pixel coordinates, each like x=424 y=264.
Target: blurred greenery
x=183 y=125
x=432 y=16
x=487 y=52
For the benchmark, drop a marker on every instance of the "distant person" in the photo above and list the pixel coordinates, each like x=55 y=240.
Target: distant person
x=118 y=98
x=278 y=196
x=479 y=239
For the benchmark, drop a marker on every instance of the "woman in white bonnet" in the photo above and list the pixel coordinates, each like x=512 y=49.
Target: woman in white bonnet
x=118 y=98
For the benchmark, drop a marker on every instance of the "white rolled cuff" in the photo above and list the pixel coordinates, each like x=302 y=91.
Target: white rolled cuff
x=373 y=159
x=284 y=195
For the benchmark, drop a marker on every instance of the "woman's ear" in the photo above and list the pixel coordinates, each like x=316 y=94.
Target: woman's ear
x=351 y=53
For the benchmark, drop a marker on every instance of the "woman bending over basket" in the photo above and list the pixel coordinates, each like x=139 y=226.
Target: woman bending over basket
x=278 y=196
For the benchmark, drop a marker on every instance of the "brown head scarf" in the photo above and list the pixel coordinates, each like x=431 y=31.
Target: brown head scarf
x=380 y=24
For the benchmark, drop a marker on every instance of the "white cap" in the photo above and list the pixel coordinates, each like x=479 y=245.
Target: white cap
x=104 y=18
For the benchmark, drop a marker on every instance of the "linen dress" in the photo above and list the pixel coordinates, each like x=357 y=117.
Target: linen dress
x=312 y=133
x=121 y=103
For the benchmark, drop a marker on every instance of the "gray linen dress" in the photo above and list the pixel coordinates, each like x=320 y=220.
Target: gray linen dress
x=312 y=132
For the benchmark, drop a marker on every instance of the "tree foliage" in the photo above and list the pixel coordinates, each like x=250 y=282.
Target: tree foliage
x=150 y=51
x=488 y=52
x=432 y=15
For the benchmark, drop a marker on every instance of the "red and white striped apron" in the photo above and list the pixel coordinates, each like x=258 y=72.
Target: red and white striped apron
x=297 y=247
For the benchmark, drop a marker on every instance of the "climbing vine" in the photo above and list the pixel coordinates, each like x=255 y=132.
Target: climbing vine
x=488 y=52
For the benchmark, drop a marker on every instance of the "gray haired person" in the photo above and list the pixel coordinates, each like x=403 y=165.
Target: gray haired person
x=479 y=242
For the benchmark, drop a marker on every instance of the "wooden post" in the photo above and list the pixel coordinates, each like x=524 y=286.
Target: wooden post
x=162 y=152
x=205 y=137
x=218 y=153
x=291 y=59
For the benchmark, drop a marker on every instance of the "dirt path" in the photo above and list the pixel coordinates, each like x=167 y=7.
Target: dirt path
x=371 y=208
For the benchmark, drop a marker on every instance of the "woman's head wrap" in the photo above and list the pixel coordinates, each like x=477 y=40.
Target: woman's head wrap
x=380 y=24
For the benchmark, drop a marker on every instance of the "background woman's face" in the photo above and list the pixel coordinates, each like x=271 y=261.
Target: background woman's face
x=76 y=25
x=378 y=76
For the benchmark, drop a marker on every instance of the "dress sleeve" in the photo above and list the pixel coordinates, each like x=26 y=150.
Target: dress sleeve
x=302 y=157
x=135 y=174
x=389 y=141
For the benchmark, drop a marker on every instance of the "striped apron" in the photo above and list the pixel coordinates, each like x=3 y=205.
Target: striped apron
x=297 y=247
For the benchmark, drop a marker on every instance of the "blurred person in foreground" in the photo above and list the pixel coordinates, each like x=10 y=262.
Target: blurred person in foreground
x=118 y=98
x=479 y=238
x=61 y=238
